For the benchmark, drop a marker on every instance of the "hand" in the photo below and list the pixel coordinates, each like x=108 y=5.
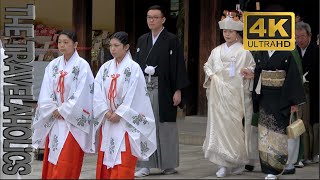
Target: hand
x=114 y=118
x=294 y=108
x=108 y=115
x=177 y=98
x=247 y=73
x=57 y=115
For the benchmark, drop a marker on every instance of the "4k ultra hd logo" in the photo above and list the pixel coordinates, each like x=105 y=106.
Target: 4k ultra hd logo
x=269 y=31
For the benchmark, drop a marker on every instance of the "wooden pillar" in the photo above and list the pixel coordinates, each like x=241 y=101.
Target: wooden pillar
x=209 y=38
x=120 y=15
x=125 y=19
x=82 y=25
x=186 y=30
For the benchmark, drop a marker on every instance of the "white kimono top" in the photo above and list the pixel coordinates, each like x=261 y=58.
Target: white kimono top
x=68 y=87
x=131 y=101
x=227 y=143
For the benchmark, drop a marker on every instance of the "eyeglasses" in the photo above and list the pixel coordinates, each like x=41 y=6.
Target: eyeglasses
x=302 y=37
x=149 y=18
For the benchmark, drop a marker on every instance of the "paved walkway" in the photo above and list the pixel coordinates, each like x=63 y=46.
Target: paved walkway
x=192 y=166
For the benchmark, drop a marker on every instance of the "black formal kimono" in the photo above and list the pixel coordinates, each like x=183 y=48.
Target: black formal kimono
x=277 y=87
x=307 y=58
x=167 y=55
x=314 y=87
x=170 y=75
x=310 y=63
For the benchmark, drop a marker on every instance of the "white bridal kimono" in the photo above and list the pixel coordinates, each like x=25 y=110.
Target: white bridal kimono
x=132 y=104
x=75 y=105
x=227 y=142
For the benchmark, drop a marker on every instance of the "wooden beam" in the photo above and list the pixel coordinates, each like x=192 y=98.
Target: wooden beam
x=209 y=38
x=82 y=25
x=125 y=19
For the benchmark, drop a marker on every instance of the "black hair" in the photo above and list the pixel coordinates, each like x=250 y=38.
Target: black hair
x=240 y=33
x=158 y=7
x=121 y=36
x=71 y=34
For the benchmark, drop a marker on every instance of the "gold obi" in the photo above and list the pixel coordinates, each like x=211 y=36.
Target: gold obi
x=273 y=78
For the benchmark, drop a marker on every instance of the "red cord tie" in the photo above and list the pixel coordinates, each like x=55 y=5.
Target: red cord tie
x=113 y=90
x=60 y=87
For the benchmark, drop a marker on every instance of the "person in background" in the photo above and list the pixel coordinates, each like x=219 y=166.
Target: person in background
x=62 y=122
x=277 y=93
x=314 y=101
x=104 y=54
x=122 y=113
x=159 y=54
x=307 y=49
x=298 y=18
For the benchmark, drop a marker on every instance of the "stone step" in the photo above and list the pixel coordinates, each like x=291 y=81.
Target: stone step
x=192 y=130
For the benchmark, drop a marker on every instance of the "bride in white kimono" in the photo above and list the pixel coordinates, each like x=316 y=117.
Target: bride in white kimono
x=123 y=112
x=228 y=74
x=62 y=122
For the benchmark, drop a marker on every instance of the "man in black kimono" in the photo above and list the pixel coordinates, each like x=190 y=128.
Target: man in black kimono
x=307 y=51
x=315 y=108
x=159 y=54
x=278 y=91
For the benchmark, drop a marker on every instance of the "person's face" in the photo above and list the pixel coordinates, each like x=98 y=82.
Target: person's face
x=117 y=49
x=230 y=36
x=155 y=19
x=65 y=45
x=302 y=38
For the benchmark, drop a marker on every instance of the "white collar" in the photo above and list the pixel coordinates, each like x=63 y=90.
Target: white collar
x=72 y=58
x=126 y=58
x=270 y=52
x=227 y=49
x=303 y=51
x=154 y=39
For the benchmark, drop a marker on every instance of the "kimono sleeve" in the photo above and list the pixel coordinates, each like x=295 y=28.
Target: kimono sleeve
x=207 y=67
x=178 y=73
x=178 y=67
x=257 y=72
x=136 y=107
x=99 y=98
x=137 y=115
x=47 y=101
x=250 y=64
x=250 y=61
x=292 y=89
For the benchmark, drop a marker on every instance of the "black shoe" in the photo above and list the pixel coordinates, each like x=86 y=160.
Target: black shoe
x=249 y=167
x=289 y=171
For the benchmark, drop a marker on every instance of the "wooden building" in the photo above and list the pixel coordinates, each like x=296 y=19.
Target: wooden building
x=198 y=22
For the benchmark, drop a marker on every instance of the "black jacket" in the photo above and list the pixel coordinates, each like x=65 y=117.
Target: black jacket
x=167 y=55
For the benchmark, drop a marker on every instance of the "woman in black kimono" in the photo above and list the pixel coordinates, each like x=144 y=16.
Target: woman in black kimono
x=278 y=91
